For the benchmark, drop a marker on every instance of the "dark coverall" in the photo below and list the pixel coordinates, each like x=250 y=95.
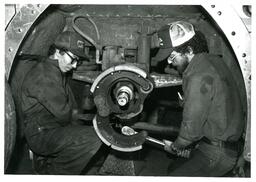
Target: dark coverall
x=47 y=103
x=213 y=115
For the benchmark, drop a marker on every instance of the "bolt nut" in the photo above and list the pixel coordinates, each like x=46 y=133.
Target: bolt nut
x=123 y=99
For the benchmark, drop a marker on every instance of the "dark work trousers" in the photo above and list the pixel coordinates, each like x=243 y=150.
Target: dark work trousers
x=206 y=161
x=70 y=148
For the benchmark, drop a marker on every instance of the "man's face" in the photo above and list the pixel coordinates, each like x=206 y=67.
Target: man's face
x=67 y=61
x=179 y=61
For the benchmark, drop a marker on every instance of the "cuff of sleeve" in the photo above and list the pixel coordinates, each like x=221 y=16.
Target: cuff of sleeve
x=181 y=142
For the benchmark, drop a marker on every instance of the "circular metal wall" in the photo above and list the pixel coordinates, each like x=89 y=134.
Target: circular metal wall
x=237 y=35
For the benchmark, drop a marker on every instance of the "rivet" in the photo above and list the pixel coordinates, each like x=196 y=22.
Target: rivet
x=249 y=155
x=233 y=33
x=33 y=12
x=243 y=55
x=10 y=49
x=20 y=30
x=97 y=87
x=213 y=6
x=219 y=13
x=39 y=5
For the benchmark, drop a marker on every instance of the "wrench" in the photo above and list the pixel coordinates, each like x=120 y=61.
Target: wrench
x=126 y=130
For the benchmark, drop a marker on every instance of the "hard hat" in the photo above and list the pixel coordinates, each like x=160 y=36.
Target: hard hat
x=72 y=42
x=173 y=35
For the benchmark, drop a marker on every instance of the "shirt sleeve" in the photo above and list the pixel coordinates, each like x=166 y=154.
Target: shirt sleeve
x=198 y=93
x=51 y=93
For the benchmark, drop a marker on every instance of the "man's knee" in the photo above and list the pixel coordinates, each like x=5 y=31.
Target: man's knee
x=86 y=138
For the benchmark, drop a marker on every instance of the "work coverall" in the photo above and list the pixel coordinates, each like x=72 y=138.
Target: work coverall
x=212 y=111
x=47 y=103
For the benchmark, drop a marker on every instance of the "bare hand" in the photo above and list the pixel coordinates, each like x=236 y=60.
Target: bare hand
x=169 y=147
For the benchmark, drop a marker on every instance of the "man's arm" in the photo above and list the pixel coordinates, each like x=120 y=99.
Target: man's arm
x=198 y=94
x=51 y=93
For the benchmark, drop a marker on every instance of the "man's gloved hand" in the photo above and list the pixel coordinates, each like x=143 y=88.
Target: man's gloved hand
x=170 y=147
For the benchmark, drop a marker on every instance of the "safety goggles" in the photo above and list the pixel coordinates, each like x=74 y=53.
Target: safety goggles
x=75 y=59
x=172 y=57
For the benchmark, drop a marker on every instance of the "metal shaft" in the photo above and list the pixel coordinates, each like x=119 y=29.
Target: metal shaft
x=153 y=140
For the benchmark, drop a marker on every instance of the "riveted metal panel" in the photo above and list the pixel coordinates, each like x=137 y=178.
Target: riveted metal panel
x=17 y=30
x=240 y=41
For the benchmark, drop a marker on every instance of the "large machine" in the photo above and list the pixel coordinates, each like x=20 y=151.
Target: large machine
x=122 y=79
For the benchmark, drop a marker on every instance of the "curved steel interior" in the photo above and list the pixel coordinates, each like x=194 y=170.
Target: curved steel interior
x=27 y=33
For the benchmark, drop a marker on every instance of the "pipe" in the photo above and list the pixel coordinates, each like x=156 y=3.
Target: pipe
x=144 y=44
x=87 y=37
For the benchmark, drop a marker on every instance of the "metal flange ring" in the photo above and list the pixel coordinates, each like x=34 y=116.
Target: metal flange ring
x=115 y=140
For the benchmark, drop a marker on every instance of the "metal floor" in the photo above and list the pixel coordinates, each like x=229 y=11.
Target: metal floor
x=154 y=163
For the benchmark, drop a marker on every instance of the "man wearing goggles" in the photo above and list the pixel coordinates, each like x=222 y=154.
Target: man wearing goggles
x=50 y=109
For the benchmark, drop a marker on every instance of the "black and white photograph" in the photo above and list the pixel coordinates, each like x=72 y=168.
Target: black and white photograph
x=128 y=89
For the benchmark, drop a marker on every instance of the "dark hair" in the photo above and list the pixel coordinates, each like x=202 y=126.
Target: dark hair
x=198 y=43
x=52 y=49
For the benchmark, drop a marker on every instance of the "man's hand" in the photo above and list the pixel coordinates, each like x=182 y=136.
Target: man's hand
x=170 y=147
